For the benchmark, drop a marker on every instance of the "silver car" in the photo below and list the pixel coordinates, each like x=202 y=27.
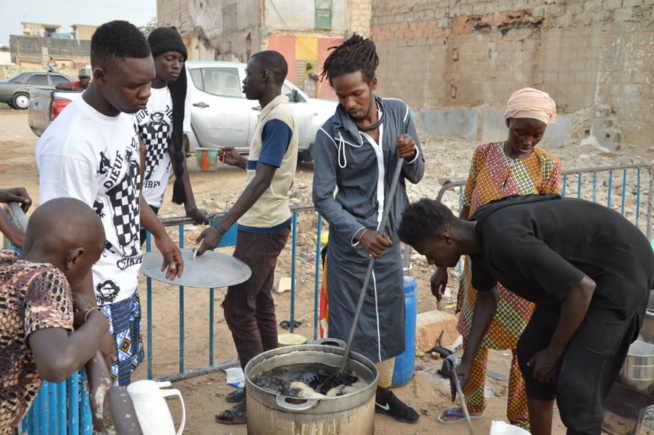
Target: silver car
x=223 y=117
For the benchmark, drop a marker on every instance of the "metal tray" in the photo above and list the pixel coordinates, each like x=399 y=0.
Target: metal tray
x=211 y=270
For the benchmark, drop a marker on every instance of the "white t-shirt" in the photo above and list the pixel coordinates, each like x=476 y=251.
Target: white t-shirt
x=156 y=127
x=86 y=155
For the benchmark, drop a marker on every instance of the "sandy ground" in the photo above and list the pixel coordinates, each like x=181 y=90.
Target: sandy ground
x=204 y=395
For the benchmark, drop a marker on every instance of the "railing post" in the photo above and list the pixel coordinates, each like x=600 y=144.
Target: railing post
x=293 y=263
x=316 y=290
x=181 y=308
x=148 y=283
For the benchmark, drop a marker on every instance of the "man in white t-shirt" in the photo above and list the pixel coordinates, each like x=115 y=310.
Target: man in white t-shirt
x=91 y=152
x=163 y=123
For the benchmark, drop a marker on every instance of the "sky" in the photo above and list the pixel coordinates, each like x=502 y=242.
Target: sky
x=68 y=12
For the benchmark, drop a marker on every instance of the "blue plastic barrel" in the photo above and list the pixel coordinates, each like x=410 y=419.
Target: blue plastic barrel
x=406 y=361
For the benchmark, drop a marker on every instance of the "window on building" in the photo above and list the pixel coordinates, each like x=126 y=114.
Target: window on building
x=38 y=80
x=324 y=14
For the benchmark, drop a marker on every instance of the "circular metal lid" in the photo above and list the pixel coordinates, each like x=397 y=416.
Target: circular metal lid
x=210 y=270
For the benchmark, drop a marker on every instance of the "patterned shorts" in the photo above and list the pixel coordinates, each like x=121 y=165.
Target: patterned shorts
x=125 y=327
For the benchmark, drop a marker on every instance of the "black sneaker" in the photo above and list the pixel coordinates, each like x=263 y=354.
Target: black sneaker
x=391 y=405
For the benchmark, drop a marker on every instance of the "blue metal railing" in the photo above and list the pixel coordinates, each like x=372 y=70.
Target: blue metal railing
x=574 y=181
x=229 y=239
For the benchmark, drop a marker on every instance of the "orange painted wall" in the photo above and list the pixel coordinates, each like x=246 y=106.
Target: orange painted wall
x=326 y=90
x=286 y=45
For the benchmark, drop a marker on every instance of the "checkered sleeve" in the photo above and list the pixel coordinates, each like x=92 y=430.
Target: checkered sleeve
x=48 y=302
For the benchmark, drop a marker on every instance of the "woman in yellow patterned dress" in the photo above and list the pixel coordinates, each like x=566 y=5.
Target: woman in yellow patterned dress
x=501 y=169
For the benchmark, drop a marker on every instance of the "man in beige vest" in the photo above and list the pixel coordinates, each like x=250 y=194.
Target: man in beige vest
x=263 y=215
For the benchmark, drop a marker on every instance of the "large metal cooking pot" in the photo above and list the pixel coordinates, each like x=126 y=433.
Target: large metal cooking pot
x=647 y=330
x=638 y=369
x=275 y=414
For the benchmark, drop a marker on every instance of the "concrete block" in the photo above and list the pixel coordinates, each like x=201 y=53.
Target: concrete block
x=623 y=14
x=459 y=122
x=612 y=4
x=631 y=3
x=284 y=285
x=429 y=326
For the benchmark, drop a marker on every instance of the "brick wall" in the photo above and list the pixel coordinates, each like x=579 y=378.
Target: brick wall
x=174 y=13
x=27 y=49
x=467 y=53
x=360 y=15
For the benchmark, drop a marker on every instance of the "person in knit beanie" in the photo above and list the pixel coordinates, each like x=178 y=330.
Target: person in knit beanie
x=163 y=123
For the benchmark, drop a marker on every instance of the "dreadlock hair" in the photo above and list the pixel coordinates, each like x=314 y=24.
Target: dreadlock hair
x=426 y=218
x=117 y=40
x=274 y=62
x=355 y=54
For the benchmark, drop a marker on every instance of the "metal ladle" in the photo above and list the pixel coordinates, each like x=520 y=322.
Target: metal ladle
x=337 y=378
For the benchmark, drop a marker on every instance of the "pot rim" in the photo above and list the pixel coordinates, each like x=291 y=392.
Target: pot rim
x=271 y=397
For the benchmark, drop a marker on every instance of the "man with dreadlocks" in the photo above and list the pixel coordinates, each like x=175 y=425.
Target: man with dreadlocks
x=263 y=215
x=357 y=150
x=91 y=153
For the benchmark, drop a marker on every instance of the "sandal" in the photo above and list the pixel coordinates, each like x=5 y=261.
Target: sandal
x=234 y=415
x=236 y=396
x=455 y=412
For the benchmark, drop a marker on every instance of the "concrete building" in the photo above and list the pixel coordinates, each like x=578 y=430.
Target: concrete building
x=39 y=42
x=39 y=29
x=83 y=32
x=302 y=30
x=464 y=58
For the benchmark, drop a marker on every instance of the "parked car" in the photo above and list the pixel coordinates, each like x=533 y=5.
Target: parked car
x=16 y=90
x=222 y=116
x=45 y=105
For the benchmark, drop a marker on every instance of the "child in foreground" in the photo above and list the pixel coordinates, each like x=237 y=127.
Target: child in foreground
x=37 y=336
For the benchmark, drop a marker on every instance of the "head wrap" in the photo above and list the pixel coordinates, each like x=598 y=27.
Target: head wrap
x=531 y=103
x=161 y=40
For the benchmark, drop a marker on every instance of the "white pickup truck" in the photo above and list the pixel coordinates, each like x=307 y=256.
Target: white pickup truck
x=220 y=116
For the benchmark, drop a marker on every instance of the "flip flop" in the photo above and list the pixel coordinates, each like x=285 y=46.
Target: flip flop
x=236 y=396
x=452 y=412
x=238 y=416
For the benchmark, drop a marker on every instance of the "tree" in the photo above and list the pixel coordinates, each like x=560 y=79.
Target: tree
x=149 y=26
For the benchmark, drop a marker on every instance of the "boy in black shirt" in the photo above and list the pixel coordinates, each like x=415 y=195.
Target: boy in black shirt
x=587 y=268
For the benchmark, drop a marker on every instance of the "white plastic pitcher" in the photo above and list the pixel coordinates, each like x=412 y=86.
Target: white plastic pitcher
x=151 y=407
x=502 y=428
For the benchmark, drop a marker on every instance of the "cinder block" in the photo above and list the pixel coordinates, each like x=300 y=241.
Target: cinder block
x=631 y=3
x=429 y=326
x=623 y=14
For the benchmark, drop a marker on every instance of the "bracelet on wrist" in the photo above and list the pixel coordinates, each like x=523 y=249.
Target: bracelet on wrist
x=86 y=316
